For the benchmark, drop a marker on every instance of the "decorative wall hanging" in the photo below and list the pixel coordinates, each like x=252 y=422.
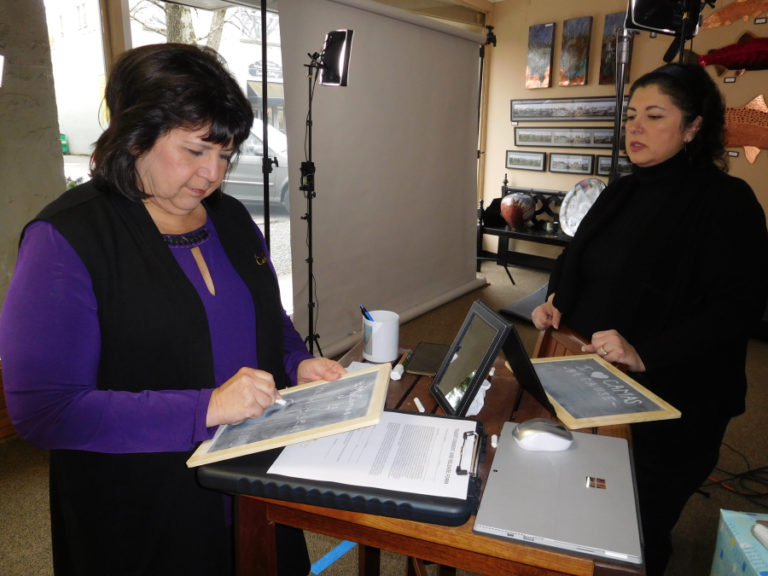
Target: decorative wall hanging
x=574 y=55
x=519 y=160
x=565 y=137
x=608 y=53
x=564 y=109
x=746 y=126
x=739 y=10
x=571 y=163
x=748 y=53
x=539 y=66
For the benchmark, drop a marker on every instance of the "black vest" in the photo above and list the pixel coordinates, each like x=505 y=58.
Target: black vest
x=135 y=512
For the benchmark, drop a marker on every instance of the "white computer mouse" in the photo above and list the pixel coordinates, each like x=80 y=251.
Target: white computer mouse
x=543 y=435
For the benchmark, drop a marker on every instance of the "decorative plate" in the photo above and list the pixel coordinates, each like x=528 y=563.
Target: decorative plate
x=577 y=203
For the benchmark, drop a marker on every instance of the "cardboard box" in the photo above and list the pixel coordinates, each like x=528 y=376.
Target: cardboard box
x=737 y=550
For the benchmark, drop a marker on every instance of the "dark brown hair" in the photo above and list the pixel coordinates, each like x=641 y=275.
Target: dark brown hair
x=156 y=88
x=695 y=94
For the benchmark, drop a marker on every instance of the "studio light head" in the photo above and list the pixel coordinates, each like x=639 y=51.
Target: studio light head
x=334 y=61
x=671 y=17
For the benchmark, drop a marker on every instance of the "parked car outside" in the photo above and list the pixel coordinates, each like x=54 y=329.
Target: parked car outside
x=245 y=180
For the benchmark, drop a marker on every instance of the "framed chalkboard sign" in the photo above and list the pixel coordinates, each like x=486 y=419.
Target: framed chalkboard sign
x=312 y=411
x=588 y=391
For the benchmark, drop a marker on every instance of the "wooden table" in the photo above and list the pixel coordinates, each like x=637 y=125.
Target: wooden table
x=448 y=546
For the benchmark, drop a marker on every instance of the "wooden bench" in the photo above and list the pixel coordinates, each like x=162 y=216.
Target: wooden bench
x=543 y=228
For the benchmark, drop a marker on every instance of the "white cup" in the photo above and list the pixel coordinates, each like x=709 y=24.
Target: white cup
x=380 y=336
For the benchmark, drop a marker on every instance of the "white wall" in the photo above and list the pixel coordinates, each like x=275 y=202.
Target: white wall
x=395 y=153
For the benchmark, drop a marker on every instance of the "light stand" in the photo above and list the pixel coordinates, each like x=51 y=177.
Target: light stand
x=308 y=187
x=623 y=57
x=333 y=67
x=267 y=162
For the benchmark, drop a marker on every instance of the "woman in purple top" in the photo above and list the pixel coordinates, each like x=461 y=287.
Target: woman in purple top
x=143 y=313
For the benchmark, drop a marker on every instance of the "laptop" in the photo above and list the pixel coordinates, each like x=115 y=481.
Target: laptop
x=578 y=500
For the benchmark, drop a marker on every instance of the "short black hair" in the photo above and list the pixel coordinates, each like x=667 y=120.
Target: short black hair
x=156 y=88
x=695 y=94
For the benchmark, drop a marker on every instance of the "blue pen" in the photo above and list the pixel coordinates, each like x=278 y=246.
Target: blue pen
x=366 y=313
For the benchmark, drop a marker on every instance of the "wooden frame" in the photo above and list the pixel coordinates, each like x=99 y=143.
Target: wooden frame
x=564 y=109
x=571 y=163
x=604 y=165
x=587 y=391
x=574 y=53
x=520 y=160
x=570 y=137
x=314 y=410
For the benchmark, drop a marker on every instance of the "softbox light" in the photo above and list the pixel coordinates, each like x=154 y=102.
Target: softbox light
x=665 y=16
x=337 y=48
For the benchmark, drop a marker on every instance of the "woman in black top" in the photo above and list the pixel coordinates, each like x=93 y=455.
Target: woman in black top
x=667 y=274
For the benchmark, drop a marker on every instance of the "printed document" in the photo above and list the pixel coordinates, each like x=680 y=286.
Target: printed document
x=404 y=453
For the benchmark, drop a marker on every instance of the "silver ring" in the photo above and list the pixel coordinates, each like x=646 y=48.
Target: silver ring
x=603 y=351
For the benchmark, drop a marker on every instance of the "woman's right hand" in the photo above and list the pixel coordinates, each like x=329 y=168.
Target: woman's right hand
x=546 y=315
x=246 y=395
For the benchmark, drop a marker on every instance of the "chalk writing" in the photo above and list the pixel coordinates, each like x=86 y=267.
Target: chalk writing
x=587 y=390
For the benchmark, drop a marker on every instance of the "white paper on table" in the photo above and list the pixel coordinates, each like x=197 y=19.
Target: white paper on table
x=403 y=453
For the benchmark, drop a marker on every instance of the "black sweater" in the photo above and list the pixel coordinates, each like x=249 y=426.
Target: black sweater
x=676 y=259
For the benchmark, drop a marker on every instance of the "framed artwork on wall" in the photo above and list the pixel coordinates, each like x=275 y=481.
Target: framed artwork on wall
x=571 y=163
x=604 y=165
x=564 y=109
x=574 y=56
x=608 y=52
x=538 y=69
x=564 y=137
x=519 y=160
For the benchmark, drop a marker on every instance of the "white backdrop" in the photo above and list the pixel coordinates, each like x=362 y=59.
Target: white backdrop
x=394 y=218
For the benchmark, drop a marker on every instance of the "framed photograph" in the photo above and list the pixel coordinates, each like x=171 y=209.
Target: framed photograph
x=538 y=68
x=564 y=109
x=604 y=165
x=519 y=160
x=571 y=163
x=564 y=137
x=574 y=56
x=608 y=51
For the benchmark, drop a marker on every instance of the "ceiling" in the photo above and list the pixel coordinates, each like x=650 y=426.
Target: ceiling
x=468 y=13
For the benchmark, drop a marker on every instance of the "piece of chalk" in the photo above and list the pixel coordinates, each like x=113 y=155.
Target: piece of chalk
x=281 y=401
x=494 y=440
x=397 y=372
x=419 y=405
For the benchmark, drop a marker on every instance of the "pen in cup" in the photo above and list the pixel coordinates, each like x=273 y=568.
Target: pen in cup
x=366 y=313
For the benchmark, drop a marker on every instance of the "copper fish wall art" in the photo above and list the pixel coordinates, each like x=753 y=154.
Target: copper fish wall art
x=749 y=53
x=740 y=9
x=748 y=127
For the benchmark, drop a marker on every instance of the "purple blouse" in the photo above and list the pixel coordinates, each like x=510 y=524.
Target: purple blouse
x=50 y=348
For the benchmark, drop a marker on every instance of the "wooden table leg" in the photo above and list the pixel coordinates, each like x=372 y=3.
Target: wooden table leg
x=368 y=561
x=255 y=551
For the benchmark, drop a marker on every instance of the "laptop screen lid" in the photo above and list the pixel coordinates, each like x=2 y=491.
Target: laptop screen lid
x=579 y=500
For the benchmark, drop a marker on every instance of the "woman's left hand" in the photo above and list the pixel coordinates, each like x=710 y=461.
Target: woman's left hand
x=614 y=348
x=319 y=369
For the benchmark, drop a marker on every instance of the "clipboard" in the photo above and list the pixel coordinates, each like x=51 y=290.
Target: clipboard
x=249 y=475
